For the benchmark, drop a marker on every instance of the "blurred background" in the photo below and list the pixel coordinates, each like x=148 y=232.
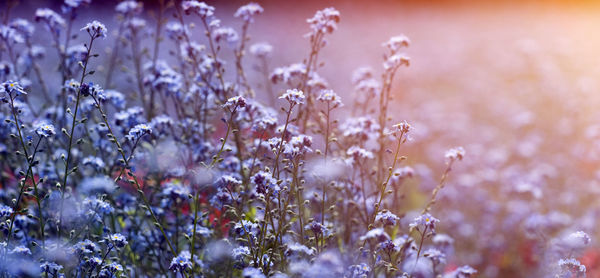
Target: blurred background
x=516 y=83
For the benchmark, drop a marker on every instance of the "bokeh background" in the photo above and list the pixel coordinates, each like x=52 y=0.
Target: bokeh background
x=515 y=83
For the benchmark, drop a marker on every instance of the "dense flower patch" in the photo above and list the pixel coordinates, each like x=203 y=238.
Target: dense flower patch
x=181 y=170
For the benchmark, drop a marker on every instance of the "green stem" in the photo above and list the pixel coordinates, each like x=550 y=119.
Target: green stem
x=73 y=125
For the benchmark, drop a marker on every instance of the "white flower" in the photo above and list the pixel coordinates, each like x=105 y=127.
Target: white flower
x=455 y=153
x=397 y=42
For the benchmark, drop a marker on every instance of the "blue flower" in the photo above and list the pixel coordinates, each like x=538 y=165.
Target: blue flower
x=129 y=7
x=45 y=130
x=50 y=267
x=5 y=211
x=138 y=131
x=182 y=262
x=11 y=88
x=53 y=20
x=118 y=240
x=21 y=250
x=251 y=272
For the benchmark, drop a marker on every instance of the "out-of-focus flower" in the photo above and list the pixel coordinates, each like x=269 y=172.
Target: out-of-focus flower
x=200 y=8
x=23 y=26
x=328 y=96
x=129 y=7
x=464 y=271
x=395 y=61
x=571 y=268
x=455 y=153
x=397 y=42
x=248 y=11
x=225 y=34
x=251 y=272
x=53 y=20
x=261 y=49
x=378 y=234
x=324 y=21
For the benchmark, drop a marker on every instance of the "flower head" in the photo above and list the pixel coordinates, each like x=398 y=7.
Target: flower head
x=138 y=131
x=248 y=11
x=45 y=130
x=455 y=154
x=387 y=218
x=181 y=262
x=95 y=29
x=261 y=49
x=53 y=20
x=11 y=88
x=5 y=211
x=23 y=26
x=464 y=271
x=572 y=268
x=423 y=222
x=129 y=7
x=235 y=102
x=397 y=42
x=118 y=240
x=226 y=34
x=378 y=234
x=395 y=61
x=293 y=96
x=199 y=8
x=328 y=96
x=324 y=21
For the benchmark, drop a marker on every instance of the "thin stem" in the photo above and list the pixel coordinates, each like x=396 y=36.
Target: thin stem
x=73 y=125
x=384 y=184
x=440 y=185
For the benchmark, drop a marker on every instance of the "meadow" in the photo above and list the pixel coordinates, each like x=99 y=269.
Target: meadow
x=192 y=139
